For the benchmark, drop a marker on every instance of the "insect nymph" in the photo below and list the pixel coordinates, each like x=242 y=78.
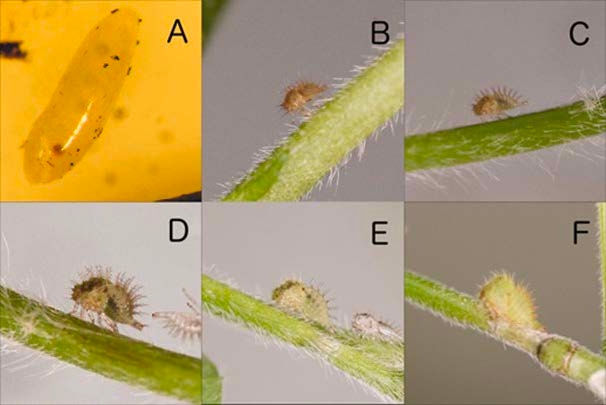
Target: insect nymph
x=303 y=300
x=107 y=302
x=299 y=94
x=495 y=102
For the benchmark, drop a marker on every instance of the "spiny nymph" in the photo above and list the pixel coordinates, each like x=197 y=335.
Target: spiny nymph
x=300 y=94
x=303 y=300
x=494 y=102
x=112 y=301
x=509 y=302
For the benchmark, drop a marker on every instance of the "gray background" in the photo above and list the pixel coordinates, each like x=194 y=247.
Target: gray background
x=49 y=244
x=261 y=47
x=460 y=245
x=256 y=247
x=454 y=49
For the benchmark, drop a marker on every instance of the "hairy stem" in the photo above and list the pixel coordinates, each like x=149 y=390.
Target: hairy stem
x=89 y=347
x=379 y=364
x=505 y=137
x=445 y=301
x=558 y=354
x=602 y=250
x=334 y=131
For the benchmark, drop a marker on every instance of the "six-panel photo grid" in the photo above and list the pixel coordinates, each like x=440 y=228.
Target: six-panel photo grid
x=303 y=201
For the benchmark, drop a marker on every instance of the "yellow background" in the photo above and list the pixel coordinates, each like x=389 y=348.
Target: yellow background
x=151 y=146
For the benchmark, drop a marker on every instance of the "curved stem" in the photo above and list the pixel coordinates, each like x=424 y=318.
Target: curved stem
x=379 y=364
x=87 y=346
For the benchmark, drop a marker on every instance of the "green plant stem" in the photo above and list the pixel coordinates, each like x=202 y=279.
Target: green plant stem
x=378 y=364
x=334 y=131
x=211 y=382
x=504 y=137
x=602 y=250
x=558 y=354
x=445 y=301
x=87 y=346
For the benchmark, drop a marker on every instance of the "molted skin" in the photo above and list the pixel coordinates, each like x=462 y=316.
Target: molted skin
x=83 y=100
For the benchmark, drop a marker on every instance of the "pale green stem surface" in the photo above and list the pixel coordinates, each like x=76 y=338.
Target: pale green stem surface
x=444 y=301
x=95 y=349
x=504 y=137
x=602 y=249
x=327 y=137
x=379 y=364
x=558 y=354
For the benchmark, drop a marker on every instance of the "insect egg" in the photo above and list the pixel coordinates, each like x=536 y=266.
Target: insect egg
x=495 y=102
x=299 y=94
x=83 y=100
